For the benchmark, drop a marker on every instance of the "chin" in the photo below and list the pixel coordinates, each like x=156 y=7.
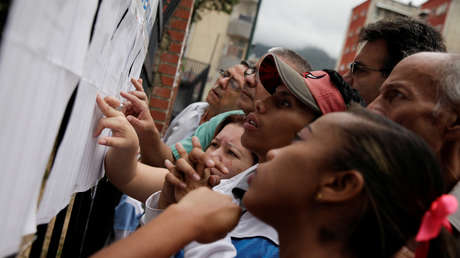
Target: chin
x=249 y=142
x=256 y=207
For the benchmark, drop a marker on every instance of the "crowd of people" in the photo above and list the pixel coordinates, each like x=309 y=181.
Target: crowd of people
x=283 y=161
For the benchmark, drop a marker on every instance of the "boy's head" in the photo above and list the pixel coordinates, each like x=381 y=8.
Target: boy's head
x=294 y=102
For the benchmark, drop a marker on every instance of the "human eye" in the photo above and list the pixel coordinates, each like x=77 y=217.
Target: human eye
x=393 y=94
x=283 y=102
x=232 y=153
x=213 y=144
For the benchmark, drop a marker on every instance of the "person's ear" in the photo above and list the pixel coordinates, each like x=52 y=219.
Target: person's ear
x=340 y=186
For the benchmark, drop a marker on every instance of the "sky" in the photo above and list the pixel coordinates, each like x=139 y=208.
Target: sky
x=301 y=23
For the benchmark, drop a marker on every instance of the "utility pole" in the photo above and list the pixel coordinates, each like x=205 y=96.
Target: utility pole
x=253 y=28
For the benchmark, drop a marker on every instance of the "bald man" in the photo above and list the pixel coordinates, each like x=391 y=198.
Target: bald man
x=422 y=93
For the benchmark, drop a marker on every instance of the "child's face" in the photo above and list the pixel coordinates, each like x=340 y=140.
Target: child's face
x=289 y=179
x=227 y=148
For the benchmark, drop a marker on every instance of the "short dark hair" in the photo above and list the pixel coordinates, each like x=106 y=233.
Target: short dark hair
x=348 y=93
x=403 y=36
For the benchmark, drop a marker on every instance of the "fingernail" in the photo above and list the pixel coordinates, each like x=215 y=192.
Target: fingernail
x=102 y=141
x=225 y=170
x=210 y=163
x=183 y=185
x=196 y=177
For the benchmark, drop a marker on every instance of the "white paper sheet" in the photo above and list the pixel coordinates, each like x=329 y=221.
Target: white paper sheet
x=116 y=53
x=41 y=63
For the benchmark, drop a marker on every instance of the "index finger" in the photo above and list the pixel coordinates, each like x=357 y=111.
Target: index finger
x=181 y=150
x=137 y=84
x=105 y=108
x=196 y=142
x=133 y=99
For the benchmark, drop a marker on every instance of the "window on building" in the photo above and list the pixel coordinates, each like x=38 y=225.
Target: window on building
x=363 y=13
x=245 y=18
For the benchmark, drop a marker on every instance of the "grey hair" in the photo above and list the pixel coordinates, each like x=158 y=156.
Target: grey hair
x=449 y=81
x=295 y=60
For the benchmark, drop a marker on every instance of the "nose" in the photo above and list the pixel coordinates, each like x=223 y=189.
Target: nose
x=223 y=82
x=348 y=78
x=260 y=106
x=377 y=106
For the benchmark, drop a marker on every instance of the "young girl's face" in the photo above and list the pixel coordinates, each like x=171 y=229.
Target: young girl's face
x=290 y=177
x=227 y=148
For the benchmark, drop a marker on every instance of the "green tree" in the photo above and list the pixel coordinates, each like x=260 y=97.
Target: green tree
x=202 y=6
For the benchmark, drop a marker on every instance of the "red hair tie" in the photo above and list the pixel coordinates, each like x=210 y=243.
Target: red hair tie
x=433 y=220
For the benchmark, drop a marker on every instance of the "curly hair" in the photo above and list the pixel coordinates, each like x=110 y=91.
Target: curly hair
x=403 y=36
x=349 y=94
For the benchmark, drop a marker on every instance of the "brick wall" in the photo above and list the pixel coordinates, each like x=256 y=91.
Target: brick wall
x=167 y=63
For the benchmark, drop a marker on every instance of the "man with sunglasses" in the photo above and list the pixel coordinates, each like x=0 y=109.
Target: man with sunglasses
x=382 y=45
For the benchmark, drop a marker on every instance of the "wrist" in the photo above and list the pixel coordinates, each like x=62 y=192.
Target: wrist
x=190 y=224
x=149 y=139
x=163 y=203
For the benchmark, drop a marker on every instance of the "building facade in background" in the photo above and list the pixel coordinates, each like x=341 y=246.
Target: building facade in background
x=221 y=40
x=444 y=15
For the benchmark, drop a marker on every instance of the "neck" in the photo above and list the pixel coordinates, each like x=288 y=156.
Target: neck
x=450 y=161
x=301 y=238
x=262 y=157
x=208 y=114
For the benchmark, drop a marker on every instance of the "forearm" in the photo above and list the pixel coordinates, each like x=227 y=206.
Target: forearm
x=154 y=151
x=132 y=177
x=161 y=237
x=120 y=167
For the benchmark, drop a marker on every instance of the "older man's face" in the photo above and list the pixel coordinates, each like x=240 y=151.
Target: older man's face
x=252 y=90
x=224 y=96
x=409 y=97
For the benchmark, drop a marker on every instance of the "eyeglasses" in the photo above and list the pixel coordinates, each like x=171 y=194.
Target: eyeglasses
x=357 y=67
x=250 y=71
x=232 y=82
x=224 y=73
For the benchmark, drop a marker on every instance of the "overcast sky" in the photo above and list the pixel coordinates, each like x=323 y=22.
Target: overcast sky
x=300 y=23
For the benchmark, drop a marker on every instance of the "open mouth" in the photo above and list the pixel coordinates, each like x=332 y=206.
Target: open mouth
x=216 y=93
x=250 y=122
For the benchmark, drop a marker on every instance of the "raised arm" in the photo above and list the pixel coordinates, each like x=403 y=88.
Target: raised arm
x=202 y=215
x=121 y=165
x=153 y=150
